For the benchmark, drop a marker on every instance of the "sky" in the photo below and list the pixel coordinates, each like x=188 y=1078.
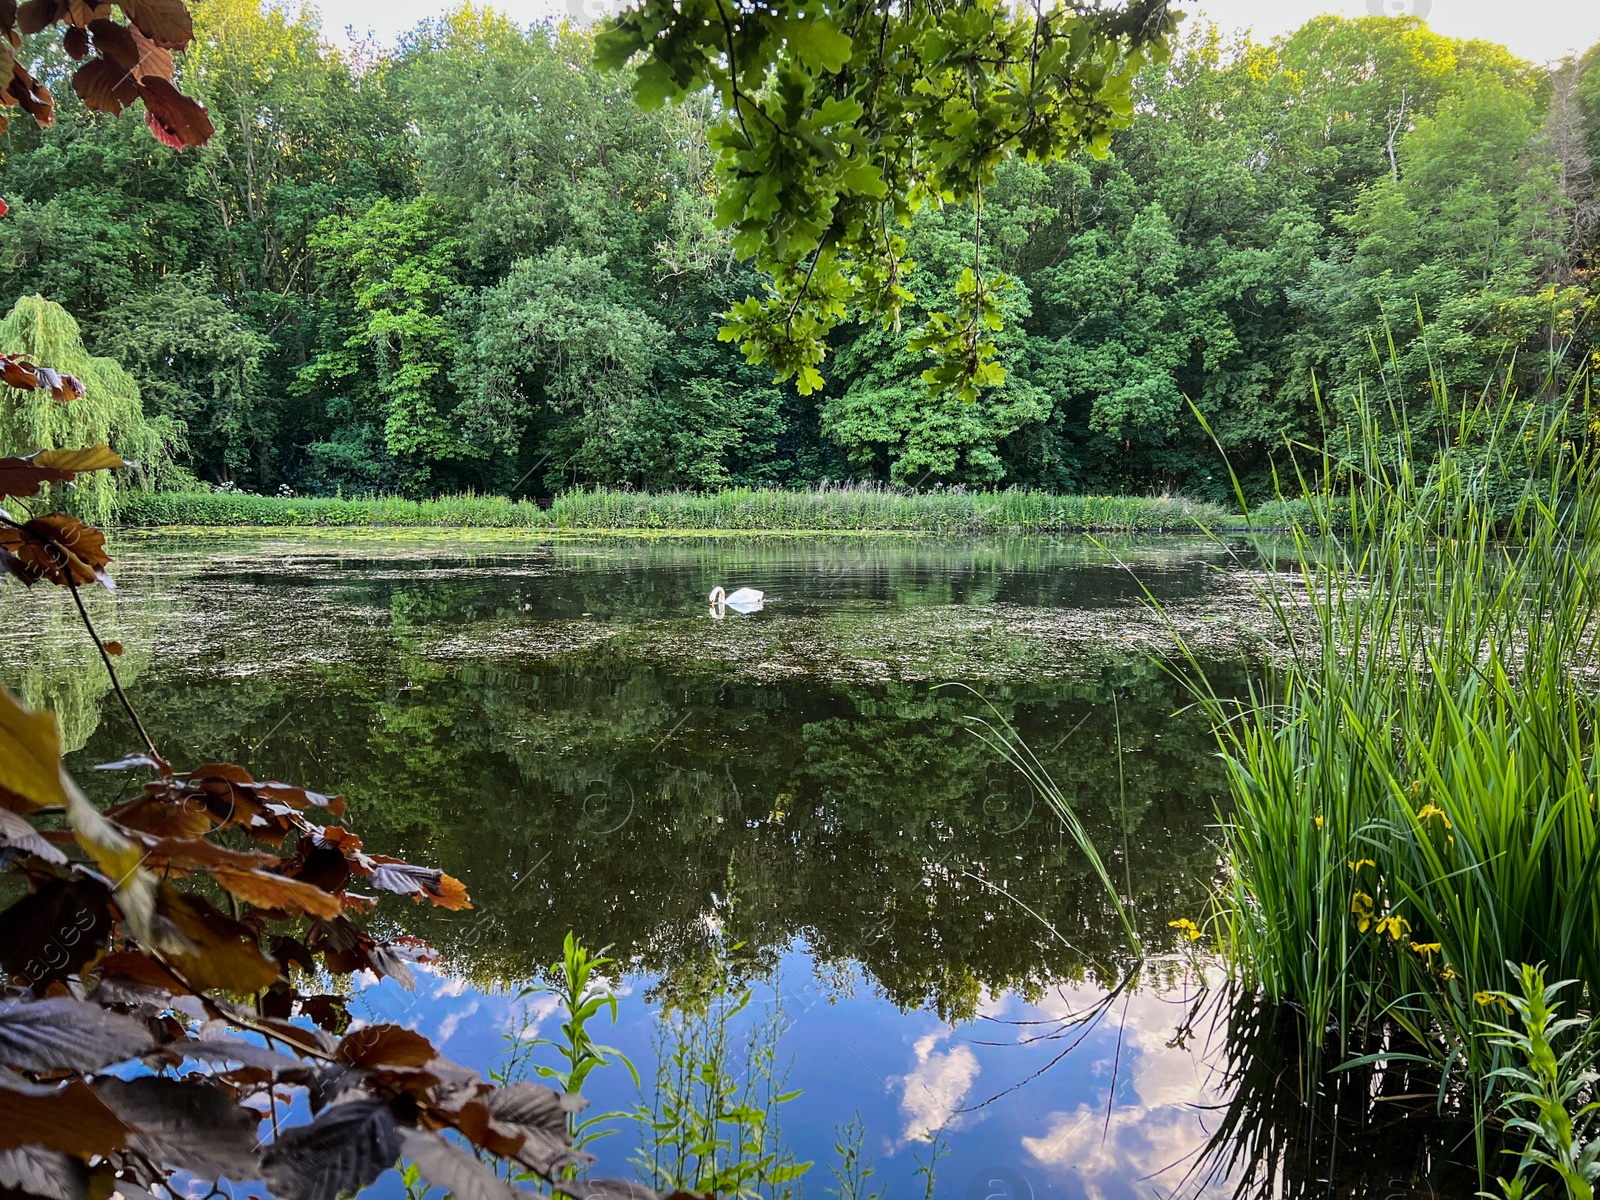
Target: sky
x=1539 y=30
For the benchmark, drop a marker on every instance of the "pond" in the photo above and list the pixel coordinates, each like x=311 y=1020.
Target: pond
x=793 y=801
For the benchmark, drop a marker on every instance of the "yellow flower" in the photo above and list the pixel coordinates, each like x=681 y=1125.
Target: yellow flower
x=1426 y=949
x=1395 y=927
x=1318 y=820
x=1431 y=809
x=1361 y=862
x=1487 y=998
x=1361 y=909
x=1190 y=929
x=1448 y=973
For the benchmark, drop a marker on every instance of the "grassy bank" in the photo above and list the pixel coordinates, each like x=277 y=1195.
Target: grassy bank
x=844 y=508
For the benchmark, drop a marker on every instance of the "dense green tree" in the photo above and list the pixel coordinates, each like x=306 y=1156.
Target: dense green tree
x=474 y=262
x=199 y=365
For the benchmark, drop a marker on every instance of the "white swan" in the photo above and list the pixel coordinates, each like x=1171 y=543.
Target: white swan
x=745 y=600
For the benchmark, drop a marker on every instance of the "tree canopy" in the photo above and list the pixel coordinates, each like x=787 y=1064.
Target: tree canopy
x=472 y=262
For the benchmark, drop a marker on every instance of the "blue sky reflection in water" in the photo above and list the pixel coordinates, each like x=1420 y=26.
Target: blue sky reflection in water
x=910 y=1074
x=562 y=726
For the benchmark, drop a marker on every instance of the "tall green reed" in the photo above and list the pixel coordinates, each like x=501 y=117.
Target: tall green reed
x=1413 y=782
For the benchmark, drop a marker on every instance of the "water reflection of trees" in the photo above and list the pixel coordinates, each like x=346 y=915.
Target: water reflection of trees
x=1382 y=1129
x=648 y=807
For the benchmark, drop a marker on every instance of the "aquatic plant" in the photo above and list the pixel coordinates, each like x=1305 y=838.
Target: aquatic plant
x=712 y=1121
x=1413 y=783
x=582 y=996
x=1550 y=1084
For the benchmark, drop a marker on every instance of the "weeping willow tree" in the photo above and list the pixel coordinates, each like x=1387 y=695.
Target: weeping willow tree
x=109 y=411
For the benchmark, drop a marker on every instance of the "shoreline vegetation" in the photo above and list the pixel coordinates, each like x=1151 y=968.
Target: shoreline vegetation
x=829 y=509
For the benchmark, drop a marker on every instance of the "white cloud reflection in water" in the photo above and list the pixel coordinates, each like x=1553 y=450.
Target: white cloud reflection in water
x=1157 y=1123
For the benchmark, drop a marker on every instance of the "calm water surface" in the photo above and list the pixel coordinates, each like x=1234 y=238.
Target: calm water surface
x=790 y=797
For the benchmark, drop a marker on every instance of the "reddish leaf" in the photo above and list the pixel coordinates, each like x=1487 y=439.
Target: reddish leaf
x=346 y=948
x=35 y=16
x=175 y=119
x=164 y=22
x=53 y=932
x=225 y=953
x=386 y=1045
x=57 y=546
x=18 y=374
x=76 y=42
x=104 y=86
x=71 y=1120
x=330 y=1012
x=22 y=477
x=114 y=649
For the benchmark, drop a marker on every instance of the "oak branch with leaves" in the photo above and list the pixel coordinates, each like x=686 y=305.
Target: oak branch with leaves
x=842 y=118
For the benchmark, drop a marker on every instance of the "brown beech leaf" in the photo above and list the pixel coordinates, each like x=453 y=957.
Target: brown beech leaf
x=17 y=834
x=158 y=815
x=539 y=1115
x=62 y=386
x=165 y=22
x=266 y=890
x=128 y=48
x=186 y=1125
x=70 y=1120
x=105 y=86
x=18 y=373
x=75 y=42
x=49 y=1174
x=23 y=477
x=57 y=546
x=140 y=968
x=451 y=1169
x=385 y=1045
x=225 y=953
x=114 y=649
x=176 y=120
x=330 y=1012
x=346 y=948
x=348 y=1146
x=68 y=1035
x=392 y=875
x=30 y=757
x=52 y=932
x=35 y=16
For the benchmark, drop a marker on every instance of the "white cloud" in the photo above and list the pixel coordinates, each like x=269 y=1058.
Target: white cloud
x=452 y=1022
x=934 y=1089
x=1161 y=1130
